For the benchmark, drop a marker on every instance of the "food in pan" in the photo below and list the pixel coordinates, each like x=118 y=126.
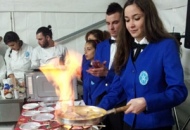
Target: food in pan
x=82 y=113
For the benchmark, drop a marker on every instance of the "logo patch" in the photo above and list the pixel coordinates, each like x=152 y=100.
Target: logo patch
x=27 y=54
x=92 y=83
x=143 y=78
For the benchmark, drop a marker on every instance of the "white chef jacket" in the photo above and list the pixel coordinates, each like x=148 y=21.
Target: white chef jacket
x=18 y=62
x=41 y=56
x=2 y=68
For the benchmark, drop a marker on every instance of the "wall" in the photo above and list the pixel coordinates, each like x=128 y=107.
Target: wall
x=25 y=17
x=173 y=14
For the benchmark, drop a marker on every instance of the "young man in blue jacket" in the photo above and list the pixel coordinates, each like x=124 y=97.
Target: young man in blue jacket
x=102 y=70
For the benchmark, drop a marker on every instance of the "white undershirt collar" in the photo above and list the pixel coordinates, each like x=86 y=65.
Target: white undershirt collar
x=143 y=41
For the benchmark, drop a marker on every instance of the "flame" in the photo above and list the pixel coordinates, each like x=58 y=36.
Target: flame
x=61 y=76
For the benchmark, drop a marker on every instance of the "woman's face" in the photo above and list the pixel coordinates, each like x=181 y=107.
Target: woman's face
x=14 y=45
x=89 y=51
x=134 y=21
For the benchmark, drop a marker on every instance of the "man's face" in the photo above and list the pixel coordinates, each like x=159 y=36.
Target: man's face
x=113 y=22
x=42 y=40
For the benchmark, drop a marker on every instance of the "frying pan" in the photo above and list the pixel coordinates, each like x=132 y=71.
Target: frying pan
x=91 y=115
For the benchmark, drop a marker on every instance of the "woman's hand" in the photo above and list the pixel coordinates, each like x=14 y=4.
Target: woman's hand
x=137 y=105
x=98 y=69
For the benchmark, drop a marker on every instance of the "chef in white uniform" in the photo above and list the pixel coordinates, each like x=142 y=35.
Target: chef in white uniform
x=2 y=68
x=17 y=58
x=47 y=48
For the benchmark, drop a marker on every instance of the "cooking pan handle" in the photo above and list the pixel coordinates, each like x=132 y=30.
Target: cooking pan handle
x=119 y=109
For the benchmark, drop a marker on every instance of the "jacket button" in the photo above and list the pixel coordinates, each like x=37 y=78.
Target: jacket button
x=106 y=84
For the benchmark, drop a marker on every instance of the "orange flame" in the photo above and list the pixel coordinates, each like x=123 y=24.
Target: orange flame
x=61 y=76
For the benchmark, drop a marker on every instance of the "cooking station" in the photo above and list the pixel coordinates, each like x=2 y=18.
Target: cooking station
x=46 y=119
x=43 y=109
x=40 y=106
x=38 y=88
x=77 y=117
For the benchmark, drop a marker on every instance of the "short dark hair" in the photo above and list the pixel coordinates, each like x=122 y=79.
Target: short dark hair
x=11 y=37
x=46 y=31
x=113 y=8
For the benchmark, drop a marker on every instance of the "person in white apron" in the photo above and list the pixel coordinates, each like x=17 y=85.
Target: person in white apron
x=17 y=58
x=47 y=48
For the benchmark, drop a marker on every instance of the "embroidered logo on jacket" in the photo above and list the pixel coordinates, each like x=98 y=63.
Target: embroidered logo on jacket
x=143 y=78
x=92 y=83
x=27 y=54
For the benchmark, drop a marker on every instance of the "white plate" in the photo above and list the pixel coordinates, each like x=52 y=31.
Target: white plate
x=43 y=117
x=30 y=106
x=30 y=113
x=30 y=126
x=46 y=109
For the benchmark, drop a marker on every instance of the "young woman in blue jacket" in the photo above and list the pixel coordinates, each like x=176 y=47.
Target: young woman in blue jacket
x=152 y=80
x=93 y=38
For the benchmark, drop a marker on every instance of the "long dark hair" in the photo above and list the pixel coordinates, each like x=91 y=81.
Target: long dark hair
x=93 y=43
x=98 y=34
x=154 y=31
x=12 y=37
